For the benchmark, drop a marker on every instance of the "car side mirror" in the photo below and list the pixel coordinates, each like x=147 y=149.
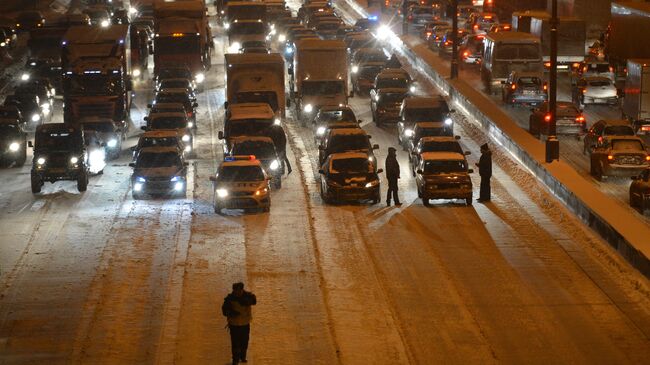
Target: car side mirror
x=146 y=119
x=467 y=153
x=30 y=144
x=419 y=171
x=213 y=178
x=320 y=171
x=144 y=128
x=220 y=135
x=375 y=146
x=132 y=164
x=380 y=171
x=470 y=171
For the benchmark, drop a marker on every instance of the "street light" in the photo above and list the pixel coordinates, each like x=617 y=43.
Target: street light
x=552 y=144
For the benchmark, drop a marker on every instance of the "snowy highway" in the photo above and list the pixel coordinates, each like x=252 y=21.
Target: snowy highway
x=98 y=278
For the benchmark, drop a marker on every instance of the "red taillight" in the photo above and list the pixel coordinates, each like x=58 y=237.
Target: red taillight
x=647 y=158
x=465 y=54
x=576 y=65
x=547 y=117
x=600 y=139
x=545 y=87
x=610 y=157
x=611 y=69
x=580 y=119
x=645 y=128
x=584 y=69
x=475 y=26
x=513 y=87
x=446 y=43
x=547 y=64
x=189 y=114
x=410 y=17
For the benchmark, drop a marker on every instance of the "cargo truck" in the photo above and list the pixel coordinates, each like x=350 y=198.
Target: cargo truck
x=320 y=76
x=182 y=37
x=44 y=53
x=96 y=72
x=636 y=104
x=256 y=78
x=624 y=39
x=243 y=10
x=571 y=38
x=521 y=19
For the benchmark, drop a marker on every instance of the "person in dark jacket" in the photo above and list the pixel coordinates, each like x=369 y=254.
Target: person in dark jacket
x=279 y=138
x=485 y=170
x=237 y=308
x=393 y=62
x=392 y=174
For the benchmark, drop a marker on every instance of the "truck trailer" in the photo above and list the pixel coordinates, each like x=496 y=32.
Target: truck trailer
x=636 y=103
x=625 y=36
x=571 y=38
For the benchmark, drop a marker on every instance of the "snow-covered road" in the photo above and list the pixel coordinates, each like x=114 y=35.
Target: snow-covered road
x=99 y=278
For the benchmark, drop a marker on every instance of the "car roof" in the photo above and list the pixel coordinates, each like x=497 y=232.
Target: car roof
x=250 y=110
x=438 y=139
x=428 y=156
x=241 y=139
x=166 y=115
x=623 y=122
x=160 y=150
x=424 y=102
x=348 y=131
x=348 y=155
x=160 y=133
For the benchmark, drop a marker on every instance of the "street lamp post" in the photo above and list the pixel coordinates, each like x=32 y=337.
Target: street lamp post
x=552 y=144
x=454 y=39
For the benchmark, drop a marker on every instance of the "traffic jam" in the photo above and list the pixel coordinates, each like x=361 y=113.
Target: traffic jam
x=275 y=74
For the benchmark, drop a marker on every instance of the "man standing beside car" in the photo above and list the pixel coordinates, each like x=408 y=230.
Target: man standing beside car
x=392 y=175
x=485 y=170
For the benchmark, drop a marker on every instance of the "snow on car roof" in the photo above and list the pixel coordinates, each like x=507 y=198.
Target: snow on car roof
x=242 y=163
x=250 y=110
x=438 y=139
x=348 y=155
x=425 y=125
x=341 y=131
x=241 y=139
x=166 y=115
x=160 y=134
x=159 y=150
x=442 y=156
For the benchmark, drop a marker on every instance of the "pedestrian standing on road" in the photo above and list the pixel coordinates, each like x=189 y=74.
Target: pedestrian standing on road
x=392 y=175
x=485 y=170
x=279 y=138
x=237 y=308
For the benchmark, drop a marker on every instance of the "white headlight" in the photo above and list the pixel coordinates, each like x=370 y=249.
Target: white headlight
x=288 y=50
x=274 y=165
x=137 y=186
x=320 y=131
x=408 y=132
x=355 y=69
x=74 y=160
x=24 y=77
x=136 y=72
x=96 y=158
x=222 y=193
x=308 y=108
x=226 y=25
x=186 y=138
x=277 y=121
x=112 y=143
x=282 y=38
x=448 y=121
x=188 y=148
x=372 y=183
x=105 y=23
x=412 y=88
x=234 y=48
x=133 y=10
x=40 y=161
x=2 y=44
x=178 y=186
x=200 y=77
x=36 y=118
x=14 y=147
x=190 y=125
x=383 y=32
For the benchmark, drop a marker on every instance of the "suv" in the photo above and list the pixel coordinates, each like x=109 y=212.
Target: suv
x=426 y=129
x=346 y=140
x=443 y=175
x=172 y=121
x=264 y=151
x=13 y=142
x=241 y=182
x=618 y=156
x=159 y=171
x=569 y=120
x=330 y=116
x=108 y=132
x=59 y=154
x=604 y=128
x=161 y=138
x=178 y=96
x=422 y=109
x=524 y=88
x=367 y=63
x=640 y=191
x=349 y=176
x=385 y=105
x=434 y=144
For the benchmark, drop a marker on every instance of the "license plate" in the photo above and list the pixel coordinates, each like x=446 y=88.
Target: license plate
x=56 y=170
x=354 y=185
x=599 y=100
x=528 y=92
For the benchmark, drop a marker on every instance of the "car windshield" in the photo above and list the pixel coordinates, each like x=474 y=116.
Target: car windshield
x=351 y=166
x=322 y=88
x=391 y=98
x=172 y=98
x=447 y=146
x=598 y=67
x=261 y=150
x=426 y=114
x=249 y=127
x=529 y=81
x=166 y=109
x=328 y=25
x=268 y=97
x=348 y=142
x=394 y=82
x=600 y=83
x=627 y=145
x=254 y=44
x=619 y=130
x=149 y=160
x=174 y=73
x=168 y=123
x=100 y=127
x=517 y=51
x=159 y=142
x=8 y=129
x=240 y=173
x=444 y=166
x=371 y=56
x=92 y=84
x=171 y=84
x=566 y=110
x=247 y=28
x=57 y=140
x=423 y=11
x=344 y=115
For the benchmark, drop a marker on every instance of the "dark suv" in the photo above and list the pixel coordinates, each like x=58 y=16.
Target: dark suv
x=13 y=143
x=59 y=154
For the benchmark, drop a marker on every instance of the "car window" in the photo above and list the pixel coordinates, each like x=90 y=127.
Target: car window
x=240 y=173
x=159 y=142
x=153 y=160
x=619 y=130
x=444 y=166
x=262 y=150
x=446 y=146
x=627 y=145
x=600 y=83
x=351 y=166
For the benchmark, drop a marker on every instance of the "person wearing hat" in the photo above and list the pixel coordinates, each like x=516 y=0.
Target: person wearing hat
x=237 y=308
x=392 y=174
x=485 y=170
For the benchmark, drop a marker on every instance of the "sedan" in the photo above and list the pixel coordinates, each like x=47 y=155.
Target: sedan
x=596 y=90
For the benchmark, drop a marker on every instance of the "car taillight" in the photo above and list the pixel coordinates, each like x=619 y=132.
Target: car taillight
x=645 y=128
x=513 y=87
x=475 y=26
x=580 y=119
x=410 y=17
x=584 y=69
x=547 y=64
x=189 y=114
x=446 y=43
x=545 y=87
x=600 y=139
x=576 y=65
x=610 y=157
x=465 y=54
x=647 y=158
x=547 y=117
x=428 y=34
x=584 y=91
x=611 y=69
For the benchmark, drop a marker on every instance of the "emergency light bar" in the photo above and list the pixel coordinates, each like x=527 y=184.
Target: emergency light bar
x=177 y=34
x=239 y=158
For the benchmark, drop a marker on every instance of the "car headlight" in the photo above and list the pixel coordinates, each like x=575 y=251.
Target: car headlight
x=283 y=38
x=136 y=72
x=186 y=138
x=261 y=191
x=3 y=44
x=105 y=23
x=112 y=143
x=277 y=121
x=274 y=165
x=200 y=77
x=448 y=121
x=408 y=132
x=96 y=158
x=14 y=147
x=140 y=179
x=226 y=25
x=372 y=183
x=320 y=131
x=176 y=178
x=74 y=160
x=355 y=69
x=40 y=161
x=132 y=10
x=412 y=88
x=288 y=50
x=308 y=108
x=36 y=118
x=137 y=186
x=188 y=148
x=24 y=77
x=190 y=125
x=222 y=193
x=178 y=186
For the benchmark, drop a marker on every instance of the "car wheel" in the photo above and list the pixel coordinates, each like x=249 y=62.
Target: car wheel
x=82 y=182
x=266 y=209
x=37 y=184
x=468 y=201
x=425 y=201
x=597 y=172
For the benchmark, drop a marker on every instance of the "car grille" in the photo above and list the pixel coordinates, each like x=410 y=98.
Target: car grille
x=444 y=186
x=241 y=193
x=104 y=110
x=58 y=160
